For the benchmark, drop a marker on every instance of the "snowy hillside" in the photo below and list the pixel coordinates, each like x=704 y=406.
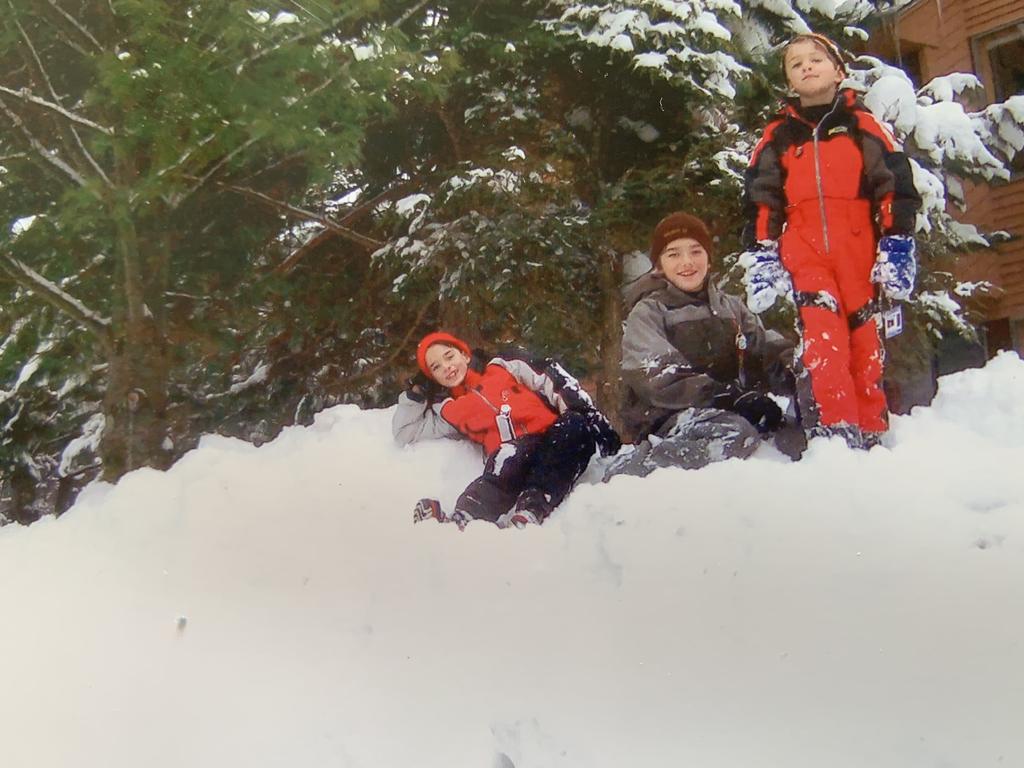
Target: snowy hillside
x=275 y=606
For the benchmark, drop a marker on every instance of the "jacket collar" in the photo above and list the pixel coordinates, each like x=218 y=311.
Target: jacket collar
x=675 y=298
x=846 y=100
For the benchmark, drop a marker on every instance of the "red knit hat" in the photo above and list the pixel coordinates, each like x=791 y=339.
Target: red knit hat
x=438 y=337
x=675 y=226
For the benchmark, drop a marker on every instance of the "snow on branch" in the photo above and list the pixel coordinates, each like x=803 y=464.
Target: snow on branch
x=55 y=295
x=331 y=224
x=946 y=143
x=675 y=39
x=48 y=155
x=25 y=95
x=939 y=127
x=27 y=371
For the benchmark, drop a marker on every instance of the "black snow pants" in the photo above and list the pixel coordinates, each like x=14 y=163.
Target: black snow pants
x=535 y=472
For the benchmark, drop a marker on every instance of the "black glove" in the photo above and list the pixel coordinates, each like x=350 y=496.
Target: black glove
x=606 y=438
x=423 y=389
x=760 y=410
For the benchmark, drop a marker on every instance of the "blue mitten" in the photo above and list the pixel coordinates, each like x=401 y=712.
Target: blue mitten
x=895 y=267
x=765 y=277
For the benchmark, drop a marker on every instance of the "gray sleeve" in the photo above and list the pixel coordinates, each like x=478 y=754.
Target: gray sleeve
x=656 y=371
x=415 y=421
x=536 y=381
x=774 y=351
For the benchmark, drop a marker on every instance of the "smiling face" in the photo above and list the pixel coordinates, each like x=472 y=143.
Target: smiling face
x=811 y=73
x=447 y=365
x=684 y=262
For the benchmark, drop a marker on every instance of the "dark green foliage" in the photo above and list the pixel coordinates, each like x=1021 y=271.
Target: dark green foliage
x=263 y=219
x=152 y=133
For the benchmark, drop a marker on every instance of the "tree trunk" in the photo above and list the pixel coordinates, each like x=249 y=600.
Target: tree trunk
x=610 y=393
x=135 y=404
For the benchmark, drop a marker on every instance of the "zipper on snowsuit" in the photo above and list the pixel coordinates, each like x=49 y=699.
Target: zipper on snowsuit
x=817 y=175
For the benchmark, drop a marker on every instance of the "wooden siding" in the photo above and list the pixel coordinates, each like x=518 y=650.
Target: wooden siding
x=944 y=32
x=985 y=15
x=936 y=27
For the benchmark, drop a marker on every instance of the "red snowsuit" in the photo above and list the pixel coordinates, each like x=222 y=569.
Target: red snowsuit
x=826 y=192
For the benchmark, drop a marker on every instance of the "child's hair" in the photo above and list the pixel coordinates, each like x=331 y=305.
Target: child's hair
x=826 y=44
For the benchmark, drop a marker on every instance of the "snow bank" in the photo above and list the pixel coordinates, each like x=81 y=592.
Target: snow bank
x=275 y=606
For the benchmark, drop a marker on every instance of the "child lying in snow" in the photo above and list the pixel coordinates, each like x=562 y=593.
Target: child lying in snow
x=537 y=426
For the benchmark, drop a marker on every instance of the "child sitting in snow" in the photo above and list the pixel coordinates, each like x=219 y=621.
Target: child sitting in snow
x=831 y=206
x=697 y=363
x=537 y=426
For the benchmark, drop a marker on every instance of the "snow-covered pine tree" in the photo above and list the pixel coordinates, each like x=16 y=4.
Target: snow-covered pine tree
x=548 y=156
x=157 y=145
x=573 y=130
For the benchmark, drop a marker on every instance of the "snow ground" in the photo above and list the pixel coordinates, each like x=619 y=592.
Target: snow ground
x=275 y=606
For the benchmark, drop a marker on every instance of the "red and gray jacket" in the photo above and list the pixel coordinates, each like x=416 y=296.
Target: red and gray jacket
x=849 y=155
x=536 y=391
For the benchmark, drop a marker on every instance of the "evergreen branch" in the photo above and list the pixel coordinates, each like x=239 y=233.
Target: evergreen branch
x=306 y=11
x=53 y=93
x=321 y=30
x=363 y=208
x=76 y=24
x=186 y=155
x=399 y=348
x=275 y=164
x=408 y=14
x=25 y=95
x=331 y=224
x=67 y=40
x=49 y=156
x=52 y=294
x=298 y=254
x=200 y=181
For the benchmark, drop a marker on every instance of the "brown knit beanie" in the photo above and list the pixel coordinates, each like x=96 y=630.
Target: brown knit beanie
x=675 y=226
x=827 y=45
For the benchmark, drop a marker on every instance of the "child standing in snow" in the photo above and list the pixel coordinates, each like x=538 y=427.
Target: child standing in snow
x=697 y=363
x=537 y=426
x=831 y=208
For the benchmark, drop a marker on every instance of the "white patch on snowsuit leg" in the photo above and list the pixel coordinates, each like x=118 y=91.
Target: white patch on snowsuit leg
x=505 y=452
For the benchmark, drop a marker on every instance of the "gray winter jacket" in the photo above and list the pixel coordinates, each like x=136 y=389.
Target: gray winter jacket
x=680 y=350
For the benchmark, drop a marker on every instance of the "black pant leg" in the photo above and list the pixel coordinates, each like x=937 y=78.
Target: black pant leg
x=496 y=490
x=561 y=457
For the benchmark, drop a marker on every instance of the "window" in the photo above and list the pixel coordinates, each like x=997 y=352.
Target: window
x=998 y=335
x=910 y=62
x=1006 y=58
x=1001 y=56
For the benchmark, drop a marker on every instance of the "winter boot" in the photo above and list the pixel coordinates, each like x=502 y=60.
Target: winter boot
x=849 y=432
x=531 y=508
x=428 y=509
x=517 y=518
